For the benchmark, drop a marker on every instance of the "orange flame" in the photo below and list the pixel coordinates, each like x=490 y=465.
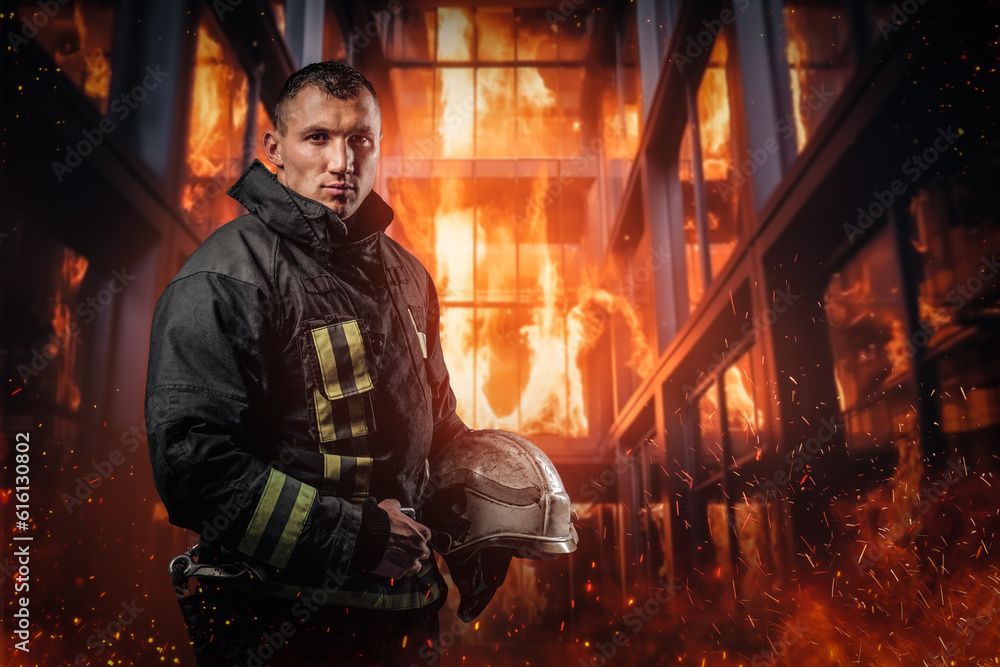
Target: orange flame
x=217 y=118
x=72 y=272
x=798 y=59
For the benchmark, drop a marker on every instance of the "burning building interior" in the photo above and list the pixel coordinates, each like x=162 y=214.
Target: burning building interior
x=732 y=265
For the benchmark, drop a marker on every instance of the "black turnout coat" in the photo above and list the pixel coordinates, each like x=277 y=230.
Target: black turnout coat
x=291 y=375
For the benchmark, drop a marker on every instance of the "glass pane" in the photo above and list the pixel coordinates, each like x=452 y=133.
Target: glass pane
x=412 y=35
x=820 y=61
x=715 y=122
x=538 y=115
x=569 y=103
x=864 y=305
x=692 y=249
x=454 y=34
x=496 y=281
x=454 y=239
x=78 y=37
x=333 y=38
x=217 y=126
x=574 y=37
x=710 y=424
x=495 y=34
x=413 y=89
x=535 y=38
x=457 y=344
x=960 y=283
x=495 y=112
x=455 y=122
x=743 y=416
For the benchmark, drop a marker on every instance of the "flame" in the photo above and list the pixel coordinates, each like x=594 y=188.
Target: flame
x=898 y=349
x=218 y=113
x=741 y=409
x=798 y=65
x=217 y=118
x=518 y=371
x=713 y=116
x=454 y=27
x=72 y=272
x=91 y=62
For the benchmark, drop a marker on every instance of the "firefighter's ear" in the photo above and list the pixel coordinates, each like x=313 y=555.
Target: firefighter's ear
x=272 y=147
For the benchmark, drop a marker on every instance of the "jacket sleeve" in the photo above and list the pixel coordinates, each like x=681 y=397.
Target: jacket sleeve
x=205 y=391
x=447 y=424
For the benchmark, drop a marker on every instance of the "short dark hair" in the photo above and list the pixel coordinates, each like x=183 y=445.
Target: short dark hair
x=337 y=79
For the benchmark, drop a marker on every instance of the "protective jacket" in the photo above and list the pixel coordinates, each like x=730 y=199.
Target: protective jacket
x=295 y=370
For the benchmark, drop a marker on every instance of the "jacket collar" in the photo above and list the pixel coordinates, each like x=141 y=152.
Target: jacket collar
x=300 y=218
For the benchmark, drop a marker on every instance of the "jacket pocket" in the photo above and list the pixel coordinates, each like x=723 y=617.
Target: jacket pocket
x=340 y=375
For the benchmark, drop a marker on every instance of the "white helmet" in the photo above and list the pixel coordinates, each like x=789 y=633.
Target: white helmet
x=492 y=488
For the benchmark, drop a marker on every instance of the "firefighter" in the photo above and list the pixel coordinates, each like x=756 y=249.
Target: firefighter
x=296 y=387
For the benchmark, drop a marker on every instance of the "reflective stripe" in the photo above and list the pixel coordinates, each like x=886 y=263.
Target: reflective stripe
x=362 y=475
x=293 y=527
x=356 y=409
x=356 y=349
x=278 y=519
x=331 y=474
x=344 y=418
x=342 y=361
x=324 y=417
x=422 y=337
x=347 y=476
x=327 y=364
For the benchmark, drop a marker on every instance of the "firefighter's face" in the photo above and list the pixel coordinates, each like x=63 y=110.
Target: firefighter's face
x=330 y=148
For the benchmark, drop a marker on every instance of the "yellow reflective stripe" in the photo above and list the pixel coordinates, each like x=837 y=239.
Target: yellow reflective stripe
x=356 y=347
x=362 y=475
x=324 y=417
x=331 y=473
x=327 y=362
x=262 y=514
x=356 y=410
x=422 y=337
x=293 y=528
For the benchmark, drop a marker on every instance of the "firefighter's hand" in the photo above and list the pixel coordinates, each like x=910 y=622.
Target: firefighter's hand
x=408 y=543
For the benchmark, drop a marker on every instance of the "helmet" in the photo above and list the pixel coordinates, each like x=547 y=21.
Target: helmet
x=492 y=488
